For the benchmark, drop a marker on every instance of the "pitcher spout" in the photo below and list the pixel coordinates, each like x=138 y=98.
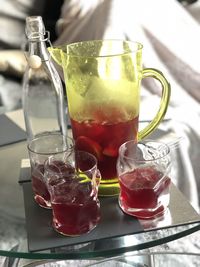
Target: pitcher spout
x=55 y=52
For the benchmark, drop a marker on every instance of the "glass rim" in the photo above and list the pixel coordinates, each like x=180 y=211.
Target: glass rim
x=138 y=47
x=50 y=153
x=79 y=152
x=146 y=254
x=94 y=166
x=144 y=142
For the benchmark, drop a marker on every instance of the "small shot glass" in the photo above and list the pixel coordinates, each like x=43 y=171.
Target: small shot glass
x=39 y=150
x=73 y=188
x=143 y=170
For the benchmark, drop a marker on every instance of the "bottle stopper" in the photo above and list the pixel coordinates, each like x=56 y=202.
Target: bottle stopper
x=34 y=62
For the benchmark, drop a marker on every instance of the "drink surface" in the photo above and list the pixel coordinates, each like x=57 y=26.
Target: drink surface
x=144 y=192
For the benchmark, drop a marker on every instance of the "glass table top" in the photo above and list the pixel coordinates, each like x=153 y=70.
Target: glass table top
x=164 y=259
x=13 y=232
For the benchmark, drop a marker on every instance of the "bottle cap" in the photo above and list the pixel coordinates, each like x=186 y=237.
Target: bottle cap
x=35 y=27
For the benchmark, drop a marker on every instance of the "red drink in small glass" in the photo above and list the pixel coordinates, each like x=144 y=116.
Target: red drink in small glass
x=40 y=149
x=144 y=192
x=73 y=187
x=76 y=209
x=41 y=194
x=102 y=139
x=39 y=182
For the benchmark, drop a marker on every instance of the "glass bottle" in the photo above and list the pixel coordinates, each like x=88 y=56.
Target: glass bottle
x=43 y=96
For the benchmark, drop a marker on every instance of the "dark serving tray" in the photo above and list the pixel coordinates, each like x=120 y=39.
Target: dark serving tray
x=114 y=223
x=10 y=132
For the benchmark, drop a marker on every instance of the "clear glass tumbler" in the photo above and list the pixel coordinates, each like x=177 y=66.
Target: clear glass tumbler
x=143 y=171
x=39 y=150
x=73 y=188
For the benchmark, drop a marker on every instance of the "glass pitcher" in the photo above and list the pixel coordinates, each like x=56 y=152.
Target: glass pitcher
x=103 y=79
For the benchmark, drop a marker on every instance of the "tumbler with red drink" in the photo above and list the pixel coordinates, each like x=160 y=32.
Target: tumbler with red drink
x=73 y=189
x=143 y=171
x=40 y=148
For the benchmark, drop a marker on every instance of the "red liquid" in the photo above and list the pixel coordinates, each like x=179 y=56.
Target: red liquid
x=76 y=209
x=42 y=196
x=138 y=192
x=103 y=141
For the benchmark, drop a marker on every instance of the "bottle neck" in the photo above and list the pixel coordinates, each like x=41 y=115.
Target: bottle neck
x=38 y=47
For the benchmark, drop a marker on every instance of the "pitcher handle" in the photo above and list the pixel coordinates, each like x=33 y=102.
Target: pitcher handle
x=166 y=92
